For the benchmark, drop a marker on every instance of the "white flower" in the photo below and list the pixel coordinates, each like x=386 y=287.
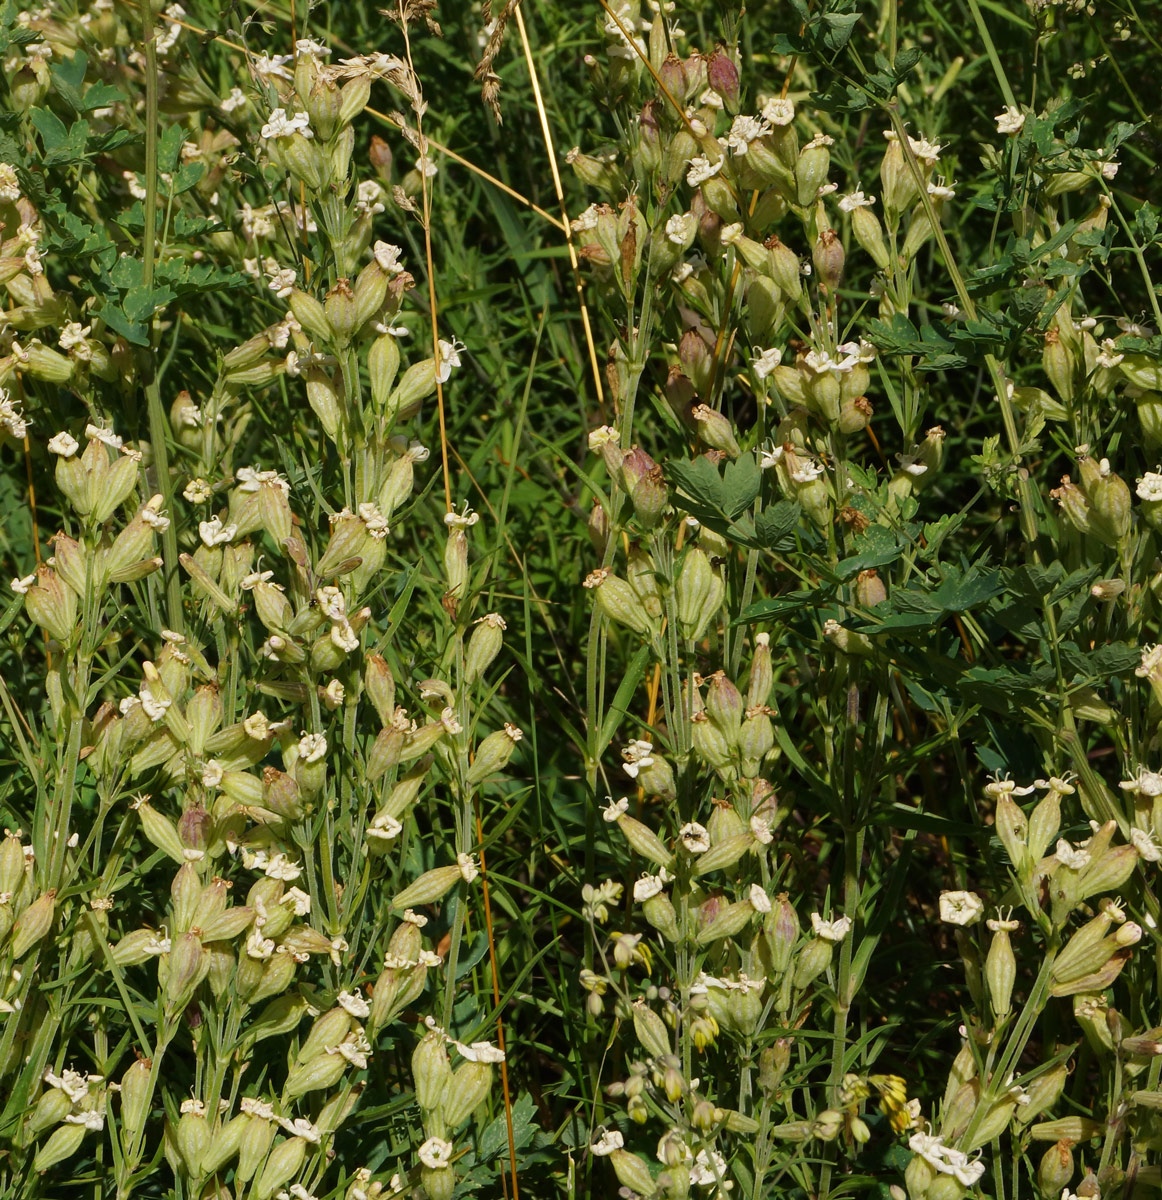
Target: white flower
x=449 y=358
x=770 y=458
x=212 y=774
x=588 y=220
x=280 y=125
x=854 y=200
x=1109 y=170
x=281 y=281
x=93 y=1121
x=1109 y=357
x=830 y=931
x=387 y=256
x=281 y=867
x=702 y=169
x=646 y=888
x=21 y=586
x=312 y=747
x=468 y=868
x=72 y=1083
x=374 y=521
x=96 y=434
x=778 y=111
x=761 y=828
x=680 y=228
x=709 y=1169
x=1010 y=120
x=615 y=809
x=960 y=908
x=695 y=837
x=298 y=898
x=197 y=491
x=306 y=48
x=637 y=754
x=155 y=706
x=766 y=361
x=258 y=947
x=1071 y=856
x=759 y=900
x=1150 y=487
x=807 y=472
x=63 y=444
x=301 y=1127
x=236 y=99
x=480 y=1052
x=609 y=1141
x=464 y=519
x=1143 y=842
x=941 y=190
x=435 y=1153
x=728 y=235
x=743 y=131
x=214 y=533
x=9 y=184
x=73 y=335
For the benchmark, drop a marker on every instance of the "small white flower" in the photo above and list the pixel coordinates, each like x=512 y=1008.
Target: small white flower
x=588 y=220
x=1071 y=856
x=609 y=1141
x=63 y=444
x=761 y=828
x=766 y=361
x=1109 y=356
x=1143 y=842
x=830 y=931
x=387 y=256
x=646 y=888
x=778 y=111
x=680 y=228
x=854 y=200
x=702 y=169
x=759 y=900
x=743 y=131
x=1011 y=120
x=615 y=809
x=960 y=908
x=468 y=867
x=9 y=184
x=1150 y=487
x=96 y=434
x=93 y=1121
x=280 y=125
x=197 y=491
x=464 y=519
x=312 y=747
x=299 y=899
x=436 y=1153
x=214 y=533
x=449 y=358
x=695 y=837
x=212 y=774
x=21 y=586
x=480 y=1052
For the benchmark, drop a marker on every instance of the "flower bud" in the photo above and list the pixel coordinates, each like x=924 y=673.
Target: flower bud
x=1055 y=1170
x=618 y=601
x=660 y=913
x=33 y=924
x=284 y=1162
x=828 y=257
x=715 y=430
x=632 y=1172
x=644 y=841
x=493 y=754
x=700 y=591
x=431 y=1072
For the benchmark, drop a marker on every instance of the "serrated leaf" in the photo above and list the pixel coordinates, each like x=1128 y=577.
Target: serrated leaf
x=116 y=319
x=774 y=523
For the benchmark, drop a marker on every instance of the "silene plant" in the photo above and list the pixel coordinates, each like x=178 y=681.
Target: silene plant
x=782 y=640
x=865 y=640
